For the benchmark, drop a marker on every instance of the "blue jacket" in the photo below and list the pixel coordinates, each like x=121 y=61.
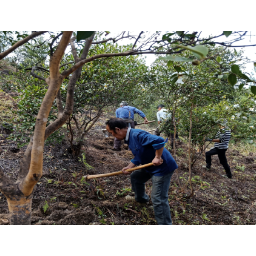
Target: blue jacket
x=123 y=112
x=143 y=146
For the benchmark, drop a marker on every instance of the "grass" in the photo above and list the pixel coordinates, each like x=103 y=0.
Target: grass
x=243 y=147
x=6 y=105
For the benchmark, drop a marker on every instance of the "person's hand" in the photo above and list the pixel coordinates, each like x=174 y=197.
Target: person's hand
x=207 y=139
x=145 y=120
x=157 y=161
x=125 y=168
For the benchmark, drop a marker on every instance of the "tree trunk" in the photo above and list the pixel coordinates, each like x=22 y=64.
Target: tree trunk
x=174 y=132
x=19 y=194
x=20 y=210
x=189 y=150
x=19 y=205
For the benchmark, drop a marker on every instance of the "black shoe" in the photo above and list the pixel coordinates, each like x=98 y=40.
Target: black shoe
x=208 y=166
x=116 y=149
x=229 y=174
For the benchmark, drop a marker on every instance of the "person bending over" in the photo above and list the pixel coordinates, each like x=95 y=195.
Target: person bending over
x=127 y=114
x=147 y=148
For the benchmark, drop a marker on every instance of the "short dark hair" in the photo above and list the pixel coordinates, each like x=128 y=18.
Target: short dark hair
x=160 y=106
x=116 y=122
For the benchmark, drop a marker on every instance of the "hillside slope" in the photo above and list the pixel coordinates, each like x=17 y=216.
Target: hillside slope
x=63 y=197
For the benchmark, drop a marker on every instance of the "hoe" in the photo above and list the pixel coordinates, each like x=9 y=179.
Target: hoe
x=88 y=177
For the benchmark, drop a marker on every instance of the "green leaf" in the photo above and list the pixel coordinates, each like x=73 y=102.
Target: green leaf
x=174 y=80
x=177 y=68
x=46 y=206
x=254 y=66
x=227 y=33
x=167 y=36
x=174 y=76
x=243 y=76
x=169 y=63
x=199 y=51
x=218 y=59
x=176 y=58
x=81 y=35
x=241 y=86
x=232 y=79
x=190 y=35
x=179 y=33
x=204 y=216
x=235 y=69
x=253 y=89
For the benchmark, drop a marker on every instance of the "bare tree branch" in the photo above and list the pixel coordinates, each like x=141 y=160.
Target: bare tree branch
x=63 y=65
x=73 y=49
x=82 y=62
x=59 y=104
x=137 y=39
x=39 y=68
x=35 y=75
x=21 y=42
x=114 y=39
x=87 y=47
x=93 y=121
x=25 y=162
x=51 y=44
x=58 y=54
x=107 y=55
x=70 y=94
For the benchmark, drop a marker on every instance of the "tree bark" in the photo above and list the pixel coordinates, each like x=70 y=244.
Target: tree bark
x=189 y=150
x=19 y=194
x=18 y=204
x=20 y=210
x=174 y=132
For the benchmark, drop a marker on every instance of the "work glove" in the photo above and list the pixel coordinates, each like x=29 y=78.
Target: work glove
x=207 y=139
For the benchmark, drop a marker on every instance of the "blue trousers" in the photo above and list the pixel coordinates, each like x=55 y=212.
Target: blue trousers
x=159 y=194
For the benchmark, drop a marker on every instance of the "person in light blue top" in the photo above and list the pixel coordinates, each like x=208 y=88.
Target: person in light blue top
x=127 y=114
x=147 y=148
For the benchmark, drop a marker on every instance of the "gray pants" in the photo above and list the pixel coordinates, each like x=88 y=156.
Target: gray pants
x=117 y=143
x=159 y=194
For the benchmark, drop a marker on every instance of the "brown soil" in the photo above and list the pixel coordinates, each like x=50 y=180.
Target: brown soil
x=62 y=197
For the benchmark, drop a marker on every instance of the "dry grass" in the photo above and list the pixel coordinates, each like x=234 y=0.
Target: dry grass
x=244 y=148
x=7 y=103
x=5 y=65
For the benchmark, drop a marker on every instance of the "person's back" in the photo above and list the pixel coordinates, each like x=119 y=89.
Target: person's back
x=142 y=145
x=162 y=114
x=122 y=113
x=131 y=110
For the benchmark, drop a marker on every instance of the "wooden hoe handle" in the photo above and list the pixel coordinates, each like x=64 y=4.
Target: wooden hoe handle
x=147 y=122
x=88 y=177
